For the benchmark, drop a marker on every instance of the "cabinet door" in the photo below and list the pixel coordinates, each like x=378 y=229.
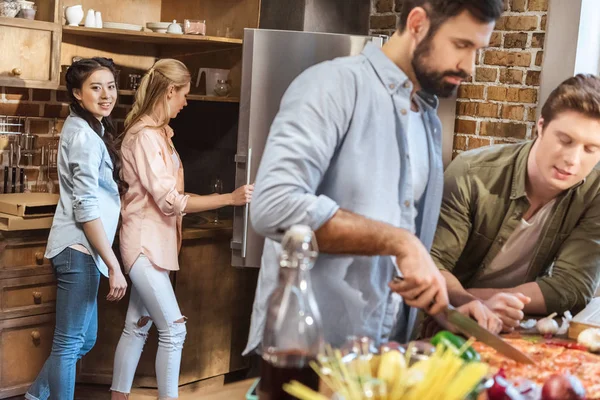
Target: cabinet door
x=25 y=343
x=30 y=53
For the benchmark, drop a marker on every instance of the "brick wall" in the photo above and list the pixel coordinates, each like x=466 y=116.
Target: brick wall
x=498 y=105
x=46 y=111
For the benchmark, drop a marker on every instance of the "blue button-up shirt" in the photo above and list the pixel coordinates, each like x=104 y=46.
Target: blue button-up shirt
x=340 y=140
x=87 y=190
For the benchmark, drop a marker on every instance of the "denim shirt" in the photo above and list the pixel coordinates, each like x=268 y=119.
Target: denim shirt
x=87 y=190
x=340 y=141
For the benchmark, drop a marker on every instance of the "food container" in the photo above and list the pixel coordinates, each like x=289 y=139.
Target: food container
x=9 y=8
x=194 y=27
x=28 y=13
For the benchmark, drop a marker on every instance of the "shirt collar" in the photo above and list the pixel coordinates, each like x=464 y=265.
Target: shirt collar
x=392 y=77
x=152 y=123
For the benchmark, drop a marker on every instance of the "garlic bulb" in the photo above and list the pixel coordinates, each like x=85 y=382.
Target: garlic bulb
x=547 y=326
x=566 y=322
x=590 y=338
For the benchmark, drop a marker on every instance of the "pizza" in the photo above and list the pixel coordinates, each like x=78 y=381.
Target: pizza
x=550 y=358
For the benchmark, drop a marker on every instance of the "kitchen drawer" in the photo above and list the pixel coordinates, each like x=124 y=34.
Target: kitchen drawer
x=26 y=296
x=25 y=343
x=23 y=256
x=30 y=53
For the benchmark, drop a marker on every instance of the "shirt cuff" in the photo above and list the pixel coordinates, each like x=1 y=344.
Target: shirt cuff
x=86 y=210
x=321 y=211
x=556 y=300
x=177 y=202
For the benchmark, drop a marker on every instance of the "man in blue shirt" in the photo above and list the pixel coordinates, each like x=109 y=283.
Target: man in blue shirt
x=355 y=153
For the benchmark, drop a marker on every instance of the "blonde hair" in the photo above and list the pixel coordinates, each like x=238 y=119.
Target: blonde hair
x=153 y=89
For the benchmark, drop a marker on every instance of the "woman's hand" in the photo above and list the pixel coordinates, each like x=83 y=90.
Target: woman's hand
x=242 y=195
x=118 y=284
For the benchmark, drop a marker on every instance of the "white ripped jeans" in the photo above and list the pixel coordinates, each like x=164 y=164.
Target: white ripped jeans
x=152 y=300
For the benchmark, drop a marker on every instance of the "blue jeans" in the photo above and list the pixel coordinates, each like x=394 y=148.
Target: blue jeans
x=76 y=325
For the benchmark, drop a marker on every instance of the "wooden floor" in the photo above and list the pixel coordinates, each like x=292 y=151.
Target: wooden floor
x=188 y=392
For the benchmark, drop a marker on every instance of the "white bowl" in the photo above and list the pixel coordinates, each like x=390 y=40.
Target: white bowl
x=158 y=27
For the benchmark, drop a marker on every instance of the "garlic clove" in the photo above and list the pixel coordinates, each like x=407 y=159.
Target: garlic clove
x=590 y=338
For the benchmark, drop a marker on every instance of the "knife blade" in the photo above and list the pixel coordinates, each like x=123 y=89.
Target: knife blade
x=469 y=327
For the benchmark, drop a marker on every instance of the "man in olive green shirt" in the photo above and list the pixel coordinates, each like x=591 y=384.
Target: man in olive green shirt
x=519 y=227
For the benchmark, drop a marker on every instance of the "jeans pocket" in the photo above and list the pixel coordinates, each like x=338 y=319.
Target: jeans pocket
x=62 y=261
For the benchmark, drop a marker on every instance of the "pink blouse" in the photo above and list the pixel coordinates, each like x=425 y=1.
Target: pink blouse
x=152 y=208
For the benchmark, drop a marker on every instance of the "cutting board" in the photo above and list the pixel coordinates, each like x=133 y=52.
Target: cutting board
x=588 y=318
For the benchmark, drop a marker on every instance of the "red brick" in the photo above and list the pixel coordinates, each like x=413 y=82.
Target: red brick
x=62 y=97
x=460 y=142
x=496 y=39
x=517 y=23
x=41 y=95
x=503 y=129
x=531 y=114
x=533 y=78
x=537 y=40
x=507 y=58
x=471 y=91
x=383 y=6
x=511 y=94
x=538 y=5
x=486 y=74
x=465 y=126
x=488 y=110
x=515 y=40
x=539 y=58
x=383 y=22
x=20 y=94
x=466 y=108
x=56 y=111
x=477 y=142
x=24 y=109
x=543 y=22
x=511 y=76
x=398 y=6
x=39 y=126
x=517 y=5
x=513 y=112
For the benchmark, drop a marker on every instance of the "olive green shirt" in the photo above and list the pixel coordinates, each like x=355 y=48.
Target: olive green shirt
x=484 y=200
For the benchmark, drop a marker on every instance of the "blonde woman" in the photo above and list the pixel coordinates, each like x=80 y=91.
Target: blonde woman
x=150 y=236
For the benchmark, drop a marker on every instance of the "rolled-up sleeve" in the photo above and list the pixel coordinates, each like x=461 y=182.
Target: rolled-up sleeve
x=314 y=115
x=85 y=157
x=154 y=176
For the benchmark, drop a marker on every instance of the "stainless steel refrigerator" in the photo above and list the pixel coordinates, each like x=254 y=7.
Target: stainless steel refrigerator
x=272 y=59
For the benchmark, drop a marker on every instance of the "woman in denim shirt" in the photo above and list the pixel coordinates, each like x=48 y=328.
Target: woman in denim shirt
x=84 y=225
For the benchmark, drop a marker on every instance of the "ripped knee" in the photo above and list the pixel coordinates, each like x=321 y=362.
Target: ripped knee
x=139 y=328
x=178 y=333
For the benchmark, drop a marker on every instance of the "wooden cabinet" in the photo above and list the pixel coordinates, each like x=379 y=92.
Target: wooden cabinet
x=215 y=297
x=31 y=49
x=30 y=53
x=25 y=344
x=27 y=305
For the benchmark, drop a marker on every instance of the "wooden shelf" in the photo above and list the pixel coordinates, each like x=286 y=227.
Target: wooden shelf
x=190 y=97
x=152 y=37
x=29 y=24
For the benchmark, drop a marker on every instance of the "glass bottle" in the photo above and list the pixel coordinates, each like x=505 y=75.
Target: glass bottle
x=222 y=88
x=293 y=334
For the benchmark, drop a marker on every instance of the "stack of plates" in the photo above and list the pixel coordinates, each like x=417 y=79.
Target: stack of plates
x=119 y=25
x=158 y=27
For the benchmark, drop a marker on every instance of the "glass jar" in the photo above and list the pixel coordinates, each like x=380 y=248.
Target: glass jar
x=222 y=88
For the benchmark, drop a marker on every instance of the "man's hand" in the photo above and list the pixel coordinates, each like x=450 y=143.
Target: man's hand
x=509 y=307
x=484 y=316
x=422 y=285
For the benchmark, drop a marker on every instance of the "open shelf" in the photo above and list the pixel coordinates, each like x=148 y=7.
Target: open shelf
x=152 y=37
x=190 y=97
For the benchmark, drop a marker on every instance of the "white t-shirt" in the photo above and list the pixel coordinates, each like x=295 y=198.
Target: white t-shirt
x=509 y=267
x=418 y=150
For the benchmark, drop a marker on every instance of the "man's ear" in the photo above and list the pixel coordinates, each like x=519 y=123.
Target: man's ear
x=418 y=24
x=540 y=127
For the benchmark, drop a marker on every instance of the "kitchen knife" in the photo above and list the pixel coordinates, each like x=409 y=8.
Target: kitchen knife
x=13 y=182
x=22 y=180
x=5 y=179
x=469 y=327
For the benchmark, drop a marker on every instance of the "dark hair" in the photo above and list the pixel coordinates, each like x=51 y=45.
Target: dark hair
x=76 y=75
x=439 y=11
x=580 y=93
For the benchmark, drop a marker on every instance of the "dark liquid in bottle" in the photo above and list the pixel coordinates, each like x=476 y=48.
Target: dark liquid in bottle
x=273 y=377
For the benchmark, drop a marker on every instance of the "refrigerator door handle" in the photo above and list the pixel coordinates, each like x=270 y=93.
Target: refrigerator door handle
x=247 y=206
